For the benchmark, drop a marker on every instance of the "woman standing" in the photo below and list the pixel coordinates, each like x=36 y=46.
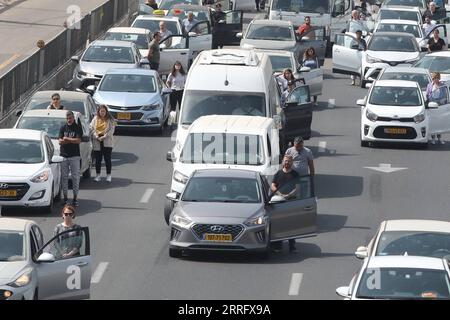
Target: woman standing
x=436 y=43
x=69 y=243
x=176 y=81
x=310 y=60
x=102 y=130
x=436 y=93
x=284 y=78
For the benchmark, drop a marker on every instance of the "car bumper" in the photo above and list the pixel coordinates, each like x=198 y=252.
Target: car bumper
x=23 y=293
x=138 y=118
x=371 y=70
x=25 y=191
x=379 y=131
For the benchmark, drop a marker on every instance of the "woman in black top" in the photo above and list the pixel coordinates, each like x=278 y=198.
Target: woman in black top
x=436 y=43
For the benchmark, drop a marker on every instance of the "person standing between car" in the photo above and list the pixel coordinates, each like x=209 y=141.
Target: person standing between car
x=305 y=28
x=427 y=25
x=152 y=4
x=154 y=51
x=102 y=131
x=284 y=78
x=217 y=17
x=285 y=183
x=433 y=13
x=165 y=34
x=310 y=60
x=189 y=22
x=303 y=160
x=436 y=92
x=68 y=244
x=55 y=104
x=69 y=139
x=257 y=4
x=291 y=84
x=436 y=43
x=176 y=81
x=361 y=45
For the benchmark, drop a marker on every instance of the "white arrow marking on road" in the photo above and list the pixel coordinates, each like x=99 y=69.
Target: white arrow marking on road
x=322 y=146
x=331 y=103
x=386 y=168
x=98 y=274
x=296 y=281
x=147 y=195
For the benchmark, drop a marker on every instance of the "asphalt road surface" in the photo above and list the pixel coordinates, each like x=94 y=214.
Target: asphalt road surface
x=129 y=238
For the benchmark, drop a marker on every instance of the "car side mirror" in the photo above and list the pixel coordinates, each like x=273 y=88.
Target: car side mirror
x=221 y=21
x=46 y=257
x=18 y=113
x=361 y=102
x=368 y=85
x=343 y=292
x=91 y=88
x=85 y=139
x=304 y=69
x=355 y=46
x=57 y=159
x=432 y=105
x=144 y=62
x=277 y=199
x=239 y=35
x=362 y=252
x=173 y=196
x=170 y=156
x=166 y=91
x=75 y=59
x=192 y=34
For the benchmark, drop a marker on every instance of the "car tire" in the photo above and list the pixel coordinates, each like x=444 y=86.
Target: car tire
x=364 y=143
x=175 y=253
x=423 y=146
x=168 y=207
x=49 y=208
x=58 y=196
x=264 y=255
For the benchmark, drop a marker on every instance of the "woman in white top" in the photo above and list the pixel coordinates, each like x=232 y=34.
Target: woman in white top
x=176 y=81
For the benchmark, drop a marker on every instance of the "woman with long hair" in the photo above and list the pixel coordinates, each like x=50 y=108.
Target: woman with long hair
x=176 y=81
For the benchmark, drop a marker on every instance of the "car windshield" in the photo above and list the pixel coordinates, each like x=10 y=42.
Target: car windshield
x=21 y=151
x=414 y=243
x=12 y=246
x=399 y=15
x=167 y=4
x=223 y=148
x=140 y=40
x=421 y=78
x=197 y=103
x=153 y=25
x=128 y=83
x=49 y=125
x=404 y=28
x=109 y=54
x=404 y=283
x=274 y=33
x=396 y=96
x=72 y=105
x=391 y=43
x=279 y=63
x=434 y=64
x=212 y=189
x=407 y=3
x=310 y=6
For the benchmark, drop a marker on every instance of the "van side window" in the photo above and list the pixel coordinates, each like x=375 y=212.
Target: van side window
x=269 y=147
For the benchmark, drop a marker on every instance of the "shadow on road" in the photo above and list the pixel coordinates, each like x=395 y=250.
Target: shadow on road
x=337 y=186
x=103 y=185
x=319 y=152
x=120 y=158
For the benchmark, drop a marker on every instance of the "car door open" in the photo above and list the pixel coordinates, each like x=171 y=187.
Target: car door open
x=298 y=114
x=315 y=38
x=346 y=59
x=225 y=32
x=200 y=38
x=294 y=216
x=177 y=51
x=439 y=118
x=64 y=266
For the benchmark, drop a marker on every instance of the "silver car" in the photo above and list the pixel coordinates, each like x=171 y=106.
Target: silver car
x=136 y=98
x=30 y=269
x=231 y=210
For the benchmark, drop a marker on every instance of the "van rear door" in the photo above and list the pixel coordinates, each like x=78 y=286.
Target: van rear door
x=298 y=114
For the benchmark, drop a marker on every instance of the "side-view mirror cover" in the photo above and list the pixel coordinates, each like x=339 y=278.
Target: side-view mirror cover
x=173 y=196
x=57 y=159
x=91 y=88
x=305 y=69
x=277 y=199
x=343 y=292
x=18 y=113
x=432 y=105
x=361 y=102
x=362 y=252
x=75 y=59
x=46 y=257
x=170 y=156
x=239 y=35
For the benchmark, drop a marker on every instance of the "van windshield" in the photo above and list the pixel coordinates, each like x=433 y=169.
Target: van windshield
x=311 y=6
x=197 y=103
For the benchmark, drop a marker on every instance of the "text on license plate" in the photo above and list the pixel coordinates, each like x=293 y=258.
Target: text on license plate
x=124 y=116
x=395 y=130
x=217 y=237
x=8 y=193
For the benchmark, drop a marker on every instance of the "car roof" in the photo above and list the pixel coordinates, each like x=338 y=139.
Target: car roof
x=13 y=224
x=65 y=95
x=398 y=21
x=44 y=113
x=231 y=124
x=129 y=30
x=417 y=225
x=406 y=70
x=112 y=43
x=132 y=71
x=282 y=23
x=20 y=134
x=149 y=17
x=395 y=83
x=412 y=262
x=225 y=173
x=400 y=8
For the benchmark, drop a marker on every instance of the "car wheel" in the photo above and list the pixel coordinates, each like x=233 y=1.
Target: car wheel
x=364 y=143
x=168 y=207
x=175 y=253
x=423 y=146
x=49 y=208
x=58 y=196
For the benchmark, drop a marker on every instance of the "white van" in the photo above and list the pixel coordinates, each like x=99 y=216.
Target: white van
x=228 y=82
x=226 y=141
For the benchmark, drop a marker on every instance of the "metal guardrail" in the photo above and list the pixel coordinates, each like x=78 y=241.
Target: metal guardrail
x=30 y=72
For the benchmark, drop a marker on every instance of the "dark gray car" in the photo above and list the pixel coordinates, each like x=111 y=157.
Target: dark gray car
x=231 y=210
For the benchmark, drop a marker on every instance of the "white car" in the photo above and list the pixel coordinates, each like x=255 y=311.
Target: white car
x=139 y=36
x=401 y=26
x=396 y=111
x=51 y=121
x=426 y=238
x=399 y=278
x=400 y=13
x=29 y=169
x=436 y=62
x=419 y=75
x=31 y=269
x=384 y=49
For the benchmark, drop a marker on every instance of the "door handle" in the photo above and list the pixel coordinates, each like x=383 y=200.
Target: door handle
x=82 y=264
x=183 y=53
x=308 y=208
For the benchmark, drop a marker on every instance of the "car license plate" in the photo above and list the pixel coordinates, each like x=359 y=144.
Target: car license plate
x=8 y=193
x=218 y=237
x=124 y=116
x=395 y=130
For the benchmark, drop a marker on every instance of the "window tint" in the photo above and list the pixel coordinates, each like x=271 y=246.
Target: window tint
x=72 y=105
x=50 y=125
x=398 y=43
x=311 y=6
x=108 y=54
x=21 y=151
x=420 y=78
x=408 y=3
x=167 y=4
x=38 y=235
x=153 y=25
x=399 y=15
x=296 y=188
x=140 y=40
x=404 y=28
x=299 y=95
x=275 y=33
x=12 y=246
x=279 y=63
x=435 y=64
x=68 y=244
x=395 y=96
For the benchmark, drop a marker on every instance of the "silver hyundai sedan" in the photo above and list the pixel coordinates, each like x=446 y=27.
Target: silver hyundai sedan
x=231 y=210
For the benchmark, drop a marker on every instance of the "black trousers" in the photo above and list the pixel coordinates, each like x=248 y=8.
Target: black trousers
x=175 y=97
x=105 y=152
x=154 y=66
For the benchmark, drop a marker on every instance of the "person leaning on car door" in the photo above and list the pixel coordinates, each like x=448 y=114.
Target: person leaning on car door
x=436 y=92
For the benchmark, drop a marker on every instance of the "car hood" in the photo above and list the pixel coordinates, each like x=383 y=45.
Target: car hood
x=19 y=170
x=268 y=44
x=218 y=210
x=391 y=112
x=10 y=270
x=125 y=99
x=396 y=56
x=99 y=68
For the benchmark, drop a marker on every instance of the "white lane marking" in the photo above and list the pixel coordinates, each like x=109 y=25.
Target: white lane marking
x=386 y=168
x=322 y=146
x=296 y=281
x=147 y=195
x=98 y=274
x=331 y=103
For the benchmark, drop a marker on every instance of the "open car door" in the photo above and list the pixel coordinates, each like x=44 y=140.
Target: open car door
x=298 y=114
x=439 y=119
x=346 y=58
x=340 y=15
x=200 y=38
x=225 y=32
x=295 y=216
x=316 y=38
x=314 y=79
x=64 y=266
x=173 y=48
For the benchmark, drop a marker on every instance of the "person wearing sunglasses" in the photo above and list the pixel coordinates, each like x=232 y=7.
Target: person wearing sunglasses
x=69 y=243
x=55 y=104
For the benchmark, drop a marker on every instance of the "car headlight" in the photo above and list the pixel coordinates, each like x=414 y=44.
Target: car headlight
x=41 y=177
x=22 y=280
x=181 y=221
x=371 y=116
x=150 y=107
x=370 y=59
x=256 y=221
x=179 y=177
x=419 y=118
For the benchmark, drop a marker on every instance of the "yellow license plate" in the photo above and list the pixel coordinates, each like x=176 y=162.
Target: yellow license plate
x=218 y=237
x=124 y=116
x=8 y=193
x=395 y=130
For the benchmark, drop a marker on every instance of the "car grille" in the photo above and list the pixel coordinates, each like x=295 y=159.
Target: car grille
x=135 y=116
x=379 y=133
x=233 y=229
x=21 y=188
x=395 y=119
x=124 y=108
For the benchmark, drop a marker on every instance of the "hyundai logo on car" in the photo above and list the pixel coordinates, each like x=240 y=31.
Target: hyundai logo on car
x=217 y=228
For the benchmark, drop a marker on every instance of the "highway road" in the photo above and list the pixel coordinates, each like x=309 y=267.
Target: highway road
x=356 y=187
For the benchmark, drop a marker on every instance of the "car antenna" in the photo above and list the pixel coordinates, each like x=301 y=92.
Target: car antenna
x=226 y=76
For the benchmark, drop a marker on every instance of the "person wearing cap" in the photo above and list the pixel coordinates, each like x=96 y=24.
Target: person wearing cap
x=302 y=157
x=359 y=44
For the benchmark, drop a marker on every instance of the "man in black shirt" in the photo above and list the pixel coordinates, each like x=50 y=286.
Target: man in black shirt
x=217 y=16
x=436 y=43
x=69 y=139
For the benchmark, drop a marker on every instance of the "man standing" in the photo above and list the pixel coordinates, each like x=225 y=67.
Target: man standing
x=433 y=13
x=56 y=102
x=361 y=45
x=217 y=17
x=69 y=139
x=302 y=157
x=165 y=33
x=152 y=4
x=189 y=22
x=305 y=28
x=427 y=25
x=153 y=51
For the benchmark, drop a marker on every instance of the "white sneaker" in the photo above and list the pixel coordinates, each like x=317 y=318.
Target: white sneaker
x=97 y=178
x=433 y=141
x=108 y=178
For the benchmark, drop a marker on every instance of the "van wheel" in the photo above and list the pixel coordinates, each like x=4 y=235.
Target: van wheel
x=168 y=207
x=175 y=253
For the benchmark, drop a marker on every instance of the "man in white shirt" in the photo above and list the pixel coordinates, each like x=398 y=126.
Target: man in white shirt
x=189 y=22
x=165 y=33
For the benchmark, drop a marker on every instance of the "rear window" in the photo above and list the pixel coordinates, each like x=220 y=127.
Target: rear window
x=420 y=78
x=49 y=125
x=72 y=105
x=140 y=40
